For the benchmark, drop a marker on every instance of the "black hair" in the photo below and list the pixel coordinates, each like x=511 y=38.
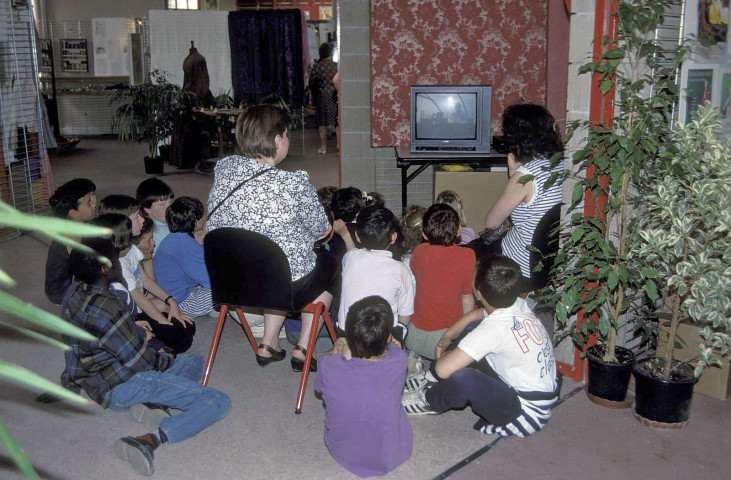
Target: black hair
x=347 y=203
x=88 y=268
x=147 y=226
x=375 y=226
x=123 y=204
x=325 y=194
x=120 y=225
x=498 y=279
x=256 y=130
x=182 y=214
x=528 y=130
x=375 y=199
x=153 y=190
x=411 y=223
x=368 y=326
x=325 y=51
x=67 y=196
x=441 y=224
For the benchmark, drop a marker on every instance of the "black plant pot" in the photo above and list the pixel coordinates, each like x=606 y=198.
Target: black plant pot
x=165 y=153
x=154 y=166
x=608 y=381
x=660 y=400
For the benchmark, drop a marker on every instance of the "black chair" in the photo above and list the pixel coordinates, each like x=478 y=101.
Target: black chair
x=249 y=270
x=545 y=240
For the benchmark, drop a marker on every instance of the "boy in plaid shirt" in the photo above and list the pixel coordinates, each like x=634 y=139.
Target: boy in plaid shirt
x=119 y=371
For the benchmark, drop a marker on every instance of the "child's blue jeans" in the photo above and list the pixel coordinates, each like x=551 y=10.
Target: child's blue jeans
x=177 y=387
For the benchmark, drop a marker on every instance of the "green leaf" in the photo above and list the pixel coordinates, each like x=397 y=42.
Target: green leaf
x=614 y=53
x=605 y=86
x=28 y=379
x=17 y=454
x=33 y=314
x=11 y=217
x=612 y=280
x=649 y=273
x=651 y=290
x=525 y=179
x=577 y=193
x=6 y=280
x=37 y=336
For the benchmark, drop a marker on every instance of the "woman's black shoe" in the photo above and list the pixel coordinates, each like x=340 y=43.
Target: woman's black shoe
x=277 y=356
x=299 y=365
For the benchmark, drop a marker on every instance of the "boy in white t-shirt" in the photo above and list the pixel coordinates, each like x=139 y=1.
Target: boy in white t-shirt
x=372 y=270
x=502 y=365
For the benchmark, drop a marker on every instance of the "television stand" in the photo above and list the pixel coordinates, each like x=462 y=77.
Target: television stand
x=405 y=159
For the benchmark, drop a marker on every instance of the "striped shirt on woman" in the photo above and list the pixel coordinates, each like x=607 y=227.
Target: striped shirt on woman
x=526 y=216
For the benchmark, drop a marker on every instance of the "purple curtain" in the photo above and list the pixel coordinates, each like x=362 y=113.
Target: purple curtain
x=266 y=55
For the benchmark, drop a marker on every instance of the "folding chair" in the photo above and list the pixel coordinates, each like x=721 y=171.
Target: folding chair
x=249 y=270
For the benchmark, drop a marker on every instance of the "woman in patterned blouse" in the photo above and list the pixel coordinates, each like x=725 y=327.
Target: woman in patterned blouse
x=280 y=205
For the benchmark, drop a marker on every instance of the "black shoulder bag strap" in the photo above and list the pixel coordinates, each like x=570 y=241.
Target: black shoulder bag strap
x=213 y=210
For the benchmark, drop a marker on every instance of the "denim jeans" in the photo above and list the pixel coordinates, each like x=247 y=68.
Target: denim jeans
x=176 y=387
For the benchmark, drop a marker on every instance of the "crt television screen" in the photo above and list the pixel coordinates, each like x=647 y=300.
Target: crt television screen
x=446 y=116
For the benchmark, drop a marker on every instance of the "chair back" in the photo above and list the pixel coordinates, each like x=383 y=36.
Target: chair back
x=247 y=269
x=545 y=239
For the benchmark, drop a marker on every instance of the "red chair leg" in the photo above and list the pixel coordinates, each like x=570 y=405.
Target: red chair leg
x=317 y=310
x=214 y=344
x=329 y=324
x=247 y=329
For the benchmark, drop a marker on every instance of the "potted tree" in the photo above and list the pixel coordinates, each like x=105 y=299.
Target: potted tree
x=597 y=280
x=685 y=240
x=149 y=112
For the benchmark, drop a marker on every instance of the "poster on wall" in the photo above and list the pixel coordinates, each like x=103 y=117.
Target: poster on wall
x=46 y=55
x=713 y=19
x=74 y=55
x=111 y=45
x=698 y=89
x=726 y=101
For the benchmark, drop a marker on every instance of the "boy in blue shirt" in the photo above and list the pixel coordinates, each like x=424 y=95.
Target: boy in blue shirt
x=179 y=264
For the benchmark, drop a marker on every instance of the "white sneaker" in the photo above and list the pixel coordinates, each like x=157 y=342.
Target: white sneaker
x=321 y=151
x=415 y=381
x=414 y=403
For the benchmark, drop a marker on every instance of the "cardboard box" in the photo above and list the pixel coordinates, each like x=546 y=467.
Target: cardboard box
x=714 y=382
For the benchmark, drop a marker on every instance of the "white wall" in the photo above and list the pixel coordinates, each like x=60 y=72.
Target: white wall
x=88 y=9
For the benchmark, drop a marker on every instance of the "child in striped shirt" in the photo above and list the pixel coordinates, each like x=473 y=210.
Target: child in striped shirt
x=501 y=364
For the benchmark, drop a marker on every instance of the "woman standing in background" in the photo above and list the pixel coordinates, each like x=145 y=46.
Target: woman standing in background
x=323 y=90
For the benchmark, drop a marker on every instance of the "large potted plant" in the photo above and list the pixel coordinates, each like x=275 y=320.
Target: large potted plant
x=149 y=112
x=685 y=240
x=597 y=281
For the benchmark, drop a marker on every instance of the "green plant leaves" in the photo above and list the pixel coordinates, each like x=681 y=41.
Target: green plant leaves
x=33 y=314
x=17 y=454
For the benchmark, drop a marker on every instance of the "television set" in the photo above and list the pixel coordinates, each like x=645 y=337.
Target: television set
x=451 y=119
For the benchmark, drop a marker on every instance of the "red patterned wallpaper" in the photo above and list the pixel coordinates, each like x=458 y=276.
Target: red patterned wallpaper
x=453 y=42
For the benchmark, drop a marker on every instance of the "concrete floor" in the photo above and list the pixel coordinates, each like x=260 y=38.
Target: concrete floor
x=263 y=439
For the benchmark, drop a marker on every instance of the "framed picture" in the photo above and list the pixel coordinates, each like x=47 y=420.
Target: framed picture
x=713 y=19
x=698 y=90
x=46 y=55
x=74 y=55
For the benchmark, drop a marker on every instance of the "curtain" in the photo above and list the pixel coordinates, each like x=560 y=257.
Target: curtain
x=266 y=55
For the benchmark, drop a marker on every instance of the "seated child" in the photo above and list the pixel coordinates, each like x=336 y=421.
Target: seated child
x=74 y=200
x=371 y=270
x=444 y=273
x=346 y=205
x=366 y=429
x=119 y=371
x=174 y=336
x=154 y=197
x=138 y=281
x=180 y=268
x=512 y=382
x=375 y=199
x=451 y=198
x=411 y=230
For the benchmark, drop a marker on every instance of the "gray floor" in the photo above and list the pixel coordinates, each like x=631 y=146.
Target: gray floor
x=262 y=438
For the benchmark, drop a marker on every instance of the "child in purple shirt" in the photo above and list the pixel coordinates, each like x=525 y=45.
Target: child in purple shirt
x=366 y=428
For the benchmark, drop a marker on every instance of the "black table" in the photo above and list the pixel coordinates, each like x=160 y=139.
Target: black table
x=405 y=159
